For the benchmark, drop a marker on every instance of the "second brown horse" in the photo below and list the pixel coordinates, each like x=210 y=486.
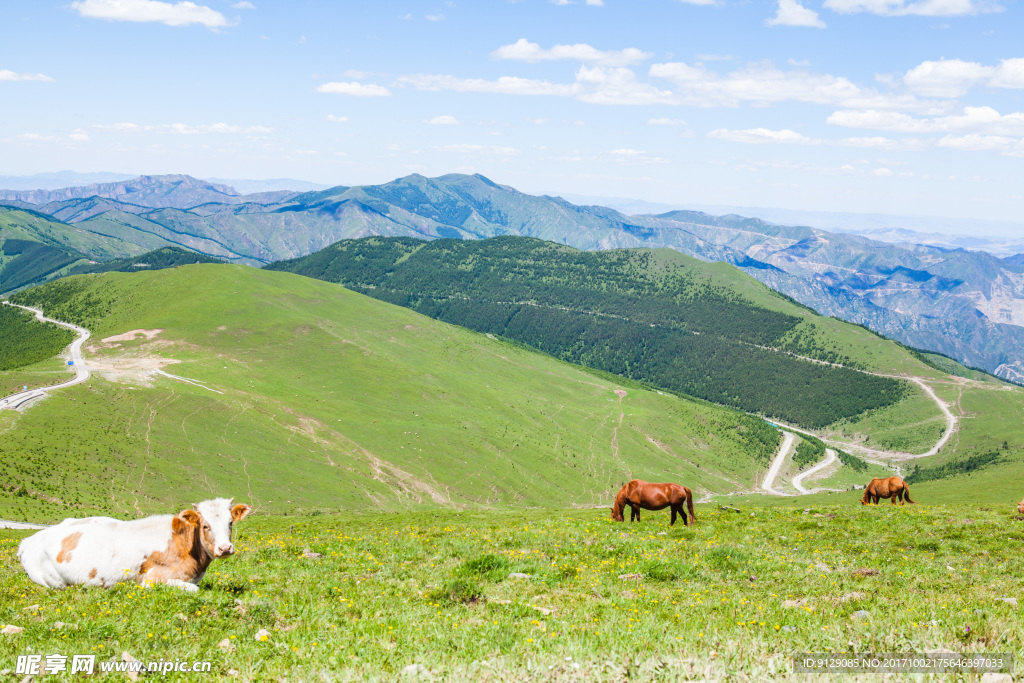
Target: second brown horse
x=639 y=494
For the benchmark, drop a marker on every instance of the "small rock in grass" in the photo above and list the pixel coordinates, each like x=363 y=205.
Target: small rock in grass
x=59 y=624
x=181 y=616
x=413 y=669
x=226 y=645
x=994 y=677
x=132 y=675
x=518 y=575
x=860 y=614
x=232 y=672
x=663 y=533
x=948 y=568
x=11 y=629
x=866 y=571
x=822 y=567
x=543 y=610
x=30 y=608
x=631 y=577
x=793 y=604
x=309 y=554
x=1012 y=602
x=261 y=635
x=789 y=629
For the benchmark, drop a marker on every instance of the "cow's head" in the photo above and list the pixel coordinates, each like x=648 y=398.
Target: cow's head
x=216 y=518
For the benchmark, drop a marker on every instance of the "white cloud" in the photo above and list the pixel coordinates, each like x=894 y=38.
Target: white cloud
x=337 y=119
x=509 y=85
x=480 y=149
x=946 y=77
x=700 y=2
x=171 y=14
x=79 y=135
x=882 y=172
x=980 y=120
x=762 y=136
x=7 y=75
x=666 y=122
x=1009 y=74
x=984 y=143
x=354 y=88
x=618 y=86
x=434 y=17
x=561 y=3
x=243 y=4
x=955 y=77
x=792 y=13
x=595 y=3
x=183 y=129
x=635 y=156
x=524 y=51
x=536 y=121
x=444 y=120
x=763 y=83
x=929 y=8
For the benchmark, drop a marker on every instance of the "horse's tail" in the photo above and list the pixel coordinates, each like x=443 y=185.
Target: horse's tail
x=906 y=494
x=689 y=504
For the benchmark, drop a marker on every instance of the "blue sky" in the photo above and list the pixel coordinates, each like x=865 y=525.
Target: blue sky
x=892 y=106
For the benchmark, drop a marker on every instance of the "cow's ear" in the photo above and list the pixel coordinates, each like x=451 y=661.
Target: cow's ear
x=239 y=512
x=192 y=517
x=185 y=521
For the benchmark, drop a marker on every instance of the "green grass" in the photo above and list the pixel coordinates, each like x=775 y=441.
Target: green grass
x=332 y=400
x=432 y=588
x=912 y=425
x=44 y=373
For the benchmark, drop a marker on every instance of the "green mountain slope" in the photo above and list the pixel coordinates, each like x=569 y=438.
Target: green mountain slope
x=655 y=316
x=304 y=395
x=168 y=257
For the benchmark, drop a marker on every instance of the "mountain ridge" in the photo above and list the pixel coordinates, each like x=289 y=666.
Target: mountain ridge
x=965 y=304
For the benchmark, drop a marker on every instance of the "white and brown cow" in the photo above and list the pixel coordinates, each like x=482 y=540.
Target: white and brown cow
x=100 y=551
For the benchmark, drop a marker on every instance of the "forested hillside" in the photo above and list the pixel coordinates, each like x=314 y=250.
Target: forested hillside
x=645 y=315
x=24 y=340
x=168 y=257
x=302 y=396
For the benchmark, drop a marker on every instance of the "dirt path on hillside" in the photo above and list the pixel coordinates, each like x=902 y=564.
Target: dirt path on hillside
x=23 y=399
x=784 y=450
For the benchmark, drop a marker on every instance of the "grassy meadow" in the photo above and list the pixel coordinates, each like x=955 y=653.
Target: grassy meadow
x=314 y=398
x=733 y=597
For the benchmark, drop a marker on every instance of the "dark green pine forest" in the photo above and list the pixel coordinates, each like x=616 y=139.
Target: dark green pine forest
x=24 y=340
x=624 y=311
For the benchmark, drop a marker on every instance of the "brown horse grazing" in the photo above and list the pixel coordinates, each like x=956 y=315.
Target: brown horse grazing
x=891 y=488
x=1020 y=507
x=639 y=494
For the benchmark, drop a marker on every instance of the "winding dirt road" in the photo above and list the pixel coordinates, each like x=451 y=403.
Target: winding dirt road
x=784 y=450
x=8 y=524
x=23 y=398
x=830 y=458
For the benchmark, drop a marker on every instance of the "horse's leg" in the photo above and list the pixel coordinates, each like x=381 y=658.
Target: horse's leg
x=900 y=496
x=634 y=513
x=673 y=522
x=892 y=499
x=682 y=513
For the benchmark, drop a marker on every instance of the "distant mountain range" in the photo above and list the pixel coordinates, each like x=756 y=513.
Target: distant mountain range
x=966 y=304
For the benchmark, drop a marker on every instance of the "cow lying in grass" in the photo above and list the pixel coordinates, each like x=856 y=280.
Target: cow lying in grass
x=100 y=551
